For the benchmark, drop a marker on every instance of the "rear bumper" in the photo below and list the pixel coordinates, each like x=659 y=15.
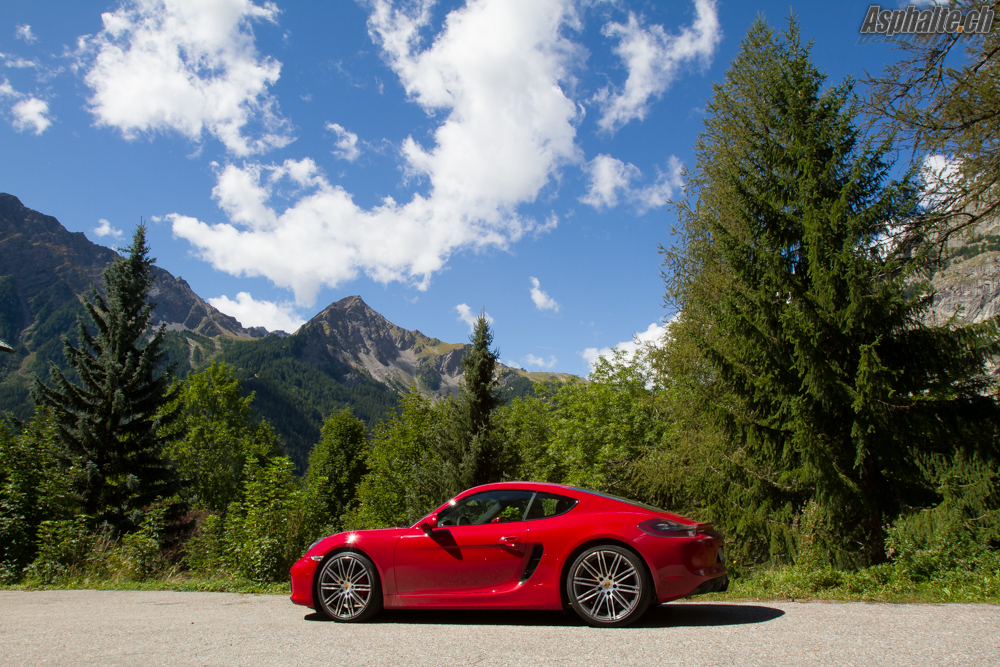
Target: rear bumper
x=303 y=573
x=716 y=585
x=689 y=564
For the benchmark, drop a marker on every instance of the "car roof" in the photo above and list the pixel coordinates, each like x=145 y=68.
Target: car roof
x=527 y=486
x=599 y=498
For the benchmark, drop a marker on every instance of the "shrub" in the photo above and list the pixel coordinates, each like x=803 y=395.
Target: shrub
x=63 y=547
x=203 y=551
x=265 y=533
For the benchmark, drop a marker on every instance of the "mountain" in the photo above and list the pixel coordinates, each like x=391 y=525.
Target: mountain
x=45 y=261
x=968 y=283
x=44 y=271
x=351 y=333
x=348 y=355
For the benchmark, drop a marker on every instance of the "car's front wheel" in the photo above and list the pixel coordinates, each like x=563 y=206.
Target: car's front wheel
x=608 y=586
x=348 y=588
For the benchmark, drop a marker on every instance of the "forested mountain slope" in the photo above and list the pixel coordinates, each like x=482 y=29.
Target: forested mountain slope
x=44 y=271
x=346 y=356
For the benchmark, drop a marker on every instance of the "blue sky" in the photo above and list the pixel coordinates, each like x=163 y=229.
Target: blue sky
x=434 y=157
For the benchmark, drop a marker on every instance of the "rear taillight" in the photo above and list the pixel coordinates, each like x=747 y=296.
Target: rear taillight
x=667 y=528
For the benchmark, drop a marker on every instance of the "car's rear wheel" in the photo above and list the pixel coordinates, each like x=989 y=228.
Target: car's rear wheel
x=348 y=588
x=608 y=586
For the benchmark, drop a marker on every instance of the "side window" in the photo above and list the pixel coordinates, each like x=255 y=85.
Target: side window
x=488 y=507
x=547 y=505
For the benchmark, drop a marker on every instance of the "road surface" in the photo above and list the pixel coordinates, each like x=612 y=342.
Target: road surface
x=107 y=628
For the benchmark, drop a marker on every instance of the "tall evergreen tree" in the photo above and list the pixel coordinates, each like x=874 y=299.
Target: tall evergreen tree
x=471 y=444
x=112 y=419
x=812 y=357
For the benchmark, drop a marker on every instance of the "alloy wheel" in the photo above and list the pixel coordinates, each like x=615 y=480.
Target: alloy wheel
x=607 y=586
x=347 y=587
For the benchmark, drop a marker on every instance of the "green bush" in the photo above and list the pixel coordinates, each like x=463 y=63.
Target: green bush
x=138 y=556
x=63 y=547
x=266 y=533
x=203 y=550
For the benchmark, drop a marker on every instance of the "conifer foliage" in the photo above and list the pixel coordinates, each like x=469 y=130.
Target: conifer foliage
x=810 y=351
x=477 y=403
x=467 y=450
x=112 y=418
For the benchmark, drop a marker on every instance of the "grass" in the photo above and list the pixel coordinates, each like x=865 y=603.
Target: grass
x=882 y=583
x=176 y=581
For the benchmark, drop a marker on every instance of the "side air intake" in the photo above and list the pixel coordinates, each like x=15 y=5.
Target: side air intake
x=536 y=556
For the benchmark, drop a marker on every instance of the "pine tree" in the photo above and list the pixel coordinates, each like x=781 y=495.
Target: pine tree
x=811 y=355
x=112 y=419
x=479 y=380
x=475 y=448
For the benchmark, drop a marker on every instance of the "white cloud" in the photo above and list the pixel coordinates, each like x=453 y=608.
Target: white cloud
x=532 y=360
x=608 y=177
x=347 y=143
x=252 y=313
x=611 y=181
x=105 y=229
x=653 y=59
x=24 y=32
x=940 y=177
x=542 y=300
x=653 y=334
x=30 y=113
x=466 y=315
x=19 y=62
x=493 y=75
x=189 y=66
x=659 y=193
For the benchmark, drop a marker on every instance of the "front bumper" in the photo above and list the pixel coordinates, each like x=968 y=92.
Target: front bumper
x=303 y=573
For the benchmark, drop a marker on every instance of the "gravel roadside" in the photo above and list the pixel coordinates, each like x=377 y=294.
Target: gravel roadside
x=82 y=628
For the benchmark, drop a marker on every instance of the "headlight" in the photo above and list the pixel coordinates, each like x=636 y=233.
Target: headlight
x=667 y=528
x=310 y=547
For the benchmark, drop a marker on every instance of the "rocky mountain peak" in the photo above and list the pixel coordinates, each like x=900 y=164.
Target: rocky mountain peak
x=46 y=261
x=352 y=333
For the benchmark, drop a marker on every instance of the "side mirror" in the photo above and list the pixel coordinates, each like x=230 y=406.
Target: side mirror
x=428 y=524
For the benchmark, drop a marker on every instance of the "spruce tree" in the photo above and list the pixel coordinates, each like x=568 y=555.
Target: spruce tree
x=480 y=388
x=811 y=355
x=464 y=448
x=482 y=458
x=111 y=420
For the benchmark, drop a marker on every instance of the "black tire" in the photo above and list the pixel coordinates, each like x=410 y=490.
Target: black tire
x=608 y=586
x=347 y=588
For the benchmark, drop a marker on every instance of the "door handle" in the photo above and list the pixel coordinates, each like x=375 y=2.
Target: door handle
x=513 y=539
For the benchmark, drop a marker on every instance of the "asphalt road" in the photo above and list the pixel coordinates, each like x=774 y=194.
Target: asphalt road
x=79 y=628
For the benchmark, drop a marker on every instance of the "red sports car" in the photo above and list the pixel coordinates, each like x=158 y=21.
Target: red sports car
x=517 y=545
